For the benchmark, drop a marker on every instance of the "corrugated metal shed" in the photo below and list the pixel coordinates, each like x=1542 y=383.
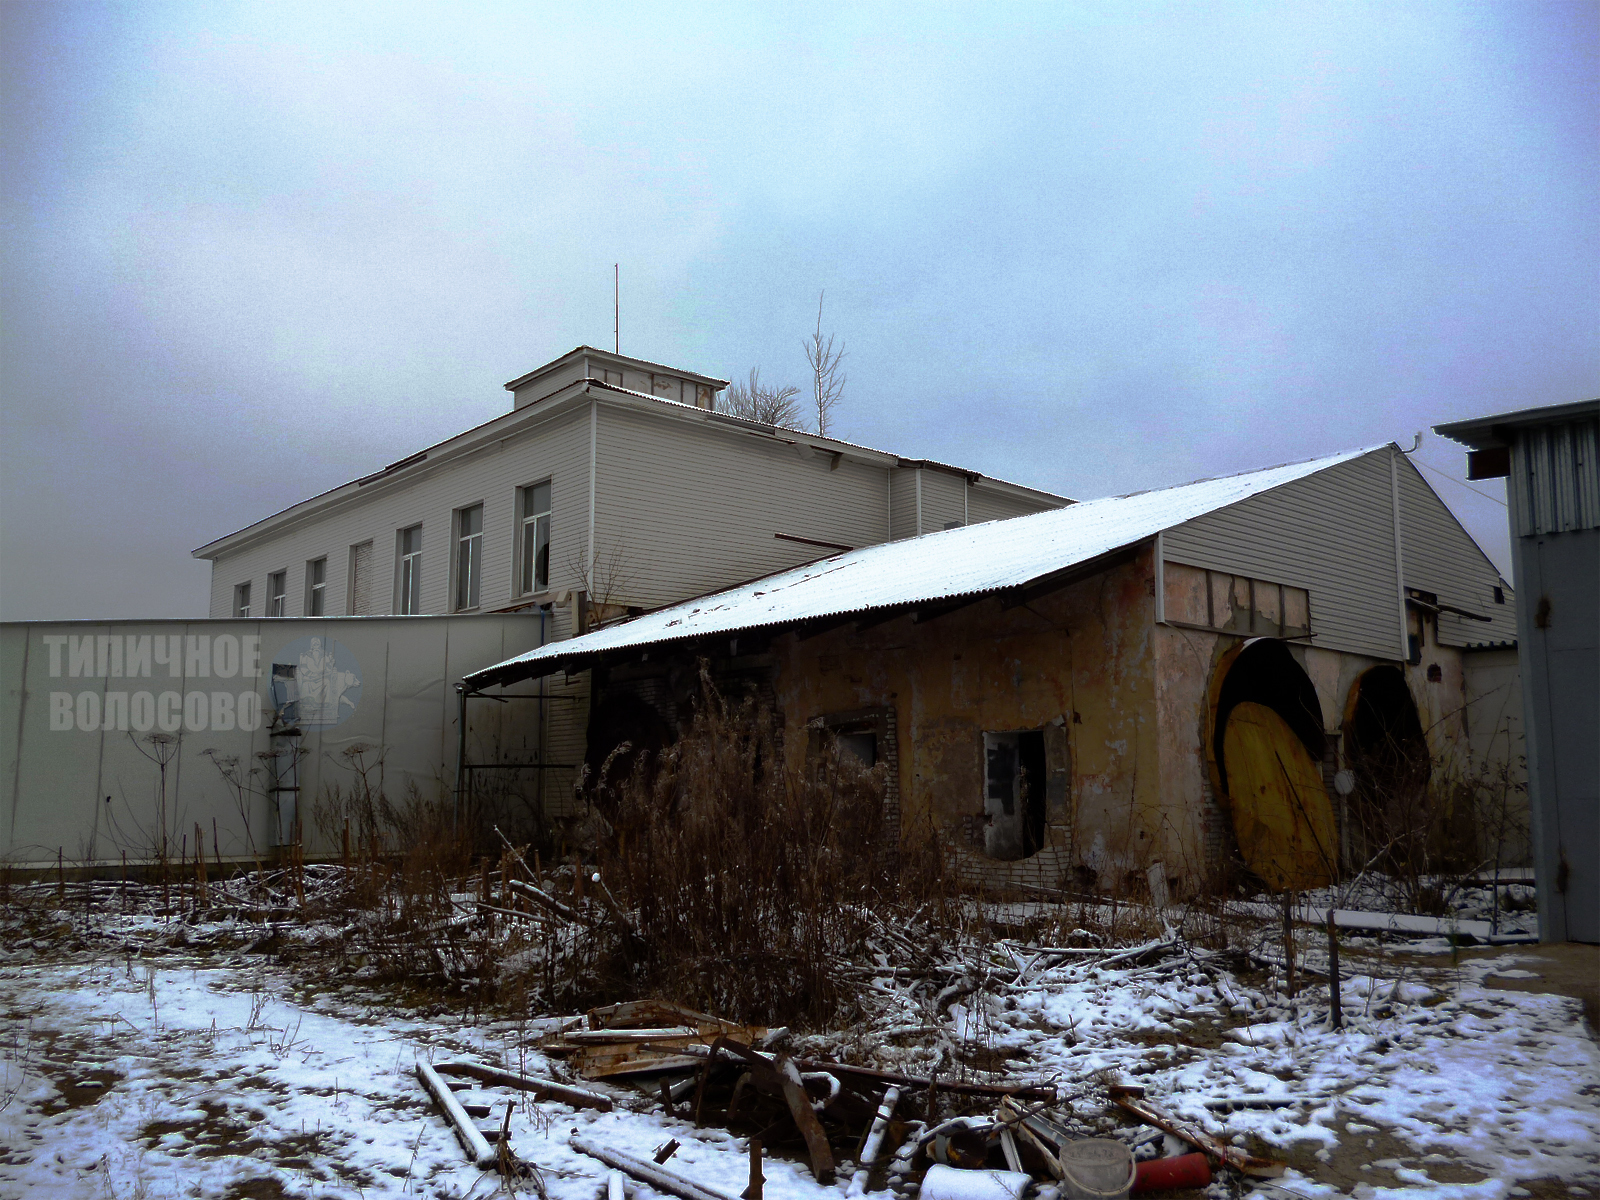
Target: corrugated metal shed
x=1554 y=476
x=936 y=566
x=1553 y=467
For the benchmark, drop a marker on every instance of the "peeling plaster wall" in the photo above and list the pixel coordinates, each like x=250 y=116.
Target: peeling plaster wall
x=1193 y=831
x=1077 y=661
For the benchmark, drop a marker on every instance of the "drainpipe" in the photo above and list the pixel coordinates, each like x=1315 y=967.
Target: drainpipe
x=461 y=752
x=1161 y=577
x=594 y=437
x=1399 y=565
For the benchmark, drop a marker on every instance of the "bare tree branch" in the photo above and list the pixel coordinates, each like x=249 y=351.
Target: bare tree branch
x=827 y=381
x=755 y=401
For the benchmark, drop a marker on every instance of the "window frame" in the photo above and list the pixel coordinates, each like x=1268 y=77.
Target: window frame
x=241 y=600
x=466 y=584
x=278 y=593
x=408 y=572
x=528 y=581
x=316 y=590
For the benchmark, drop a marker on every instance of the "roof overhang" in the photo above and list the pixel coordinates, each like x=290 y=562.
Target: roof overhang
x=1022 y=559
x=1499 y=430
x=638 y=364
x=920 y=612
x=550 y=408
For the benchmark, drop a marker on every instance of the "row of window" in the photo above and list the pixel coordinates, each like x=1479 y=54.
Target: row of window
x=533 y=564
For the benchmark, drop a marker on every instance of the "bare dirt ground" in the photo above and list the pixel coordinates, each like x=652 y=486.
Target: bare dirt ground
x=1564 y=968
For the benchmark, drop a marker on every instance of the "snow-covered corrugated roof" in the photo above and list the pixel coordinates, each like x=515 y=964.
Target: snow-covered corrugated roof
x=936 y=566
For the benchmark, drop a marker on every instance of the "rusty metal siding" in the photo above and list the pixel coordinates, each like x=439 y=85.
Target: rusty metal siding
x=1331 y=532
x=903 y=521
x=1441 y=557
x=685 y=508
x=557 y=450
x=943 y=500
x=1553 y=473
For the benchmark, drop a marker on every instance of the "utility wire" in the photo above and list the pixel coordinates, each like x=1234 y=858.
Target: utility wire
x=1459 y=482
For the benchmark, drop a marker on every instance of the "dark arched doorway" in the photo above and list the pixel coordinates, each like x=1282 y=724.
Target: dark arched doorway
x=1386 y=752
x=1266 y=744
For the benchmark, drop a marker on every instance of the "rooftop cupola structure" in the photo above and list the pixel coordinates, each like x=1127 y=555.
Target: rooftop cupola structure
x=615 y=370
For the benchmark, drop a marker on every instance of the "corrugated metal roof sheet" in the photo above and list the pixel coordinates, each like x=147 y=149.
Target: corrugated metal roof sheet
x=936 y=566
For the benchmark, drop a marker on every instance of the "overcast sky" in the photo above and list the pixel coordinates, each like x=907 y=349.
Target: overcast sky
x=253 y=251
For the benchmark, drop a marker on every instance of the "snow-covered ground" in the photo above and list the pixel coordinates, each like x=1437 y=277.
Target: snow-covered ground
x=176 y=1073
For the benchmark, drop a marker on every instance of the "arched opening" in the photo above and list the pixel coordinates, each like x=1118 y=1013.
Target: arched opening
x=1386 y=752
x=1266 y=745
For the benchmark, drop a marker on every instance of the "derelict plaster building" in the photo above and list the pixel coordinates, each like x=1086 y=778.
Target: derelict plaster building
x=1081 y=694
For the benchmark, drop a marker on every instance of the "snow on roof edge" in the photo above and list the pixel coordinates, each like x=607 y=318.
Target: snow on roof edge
x=968 y=561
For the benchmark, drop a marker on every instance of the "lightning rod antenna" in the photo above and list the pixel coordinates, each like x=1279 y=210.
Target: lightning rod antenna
x=616 y=308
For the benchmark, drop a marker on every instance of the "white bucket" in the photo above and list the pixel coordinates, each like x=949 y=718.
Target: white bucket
x=1096 y=1169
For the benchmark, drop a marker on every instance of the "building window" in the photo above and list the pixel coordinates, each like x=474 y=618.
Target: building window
x=533 y=543
x=359 y=597
x=317 y=587
x=408 y=599
x=278 y=594
x=241 y=600
x=469 y=555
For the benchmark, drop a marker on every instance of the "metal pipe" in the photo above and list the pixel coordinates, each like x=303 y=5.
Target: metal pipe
x=461 y=752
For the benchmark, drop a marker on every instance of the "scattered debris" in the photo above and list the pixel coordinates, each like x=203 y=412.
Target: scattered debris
x=1131 y=1098
x=479 y=1152
x=1167 y=1174
x=953 y=1183
x=542 y=1089
x=657 y=1177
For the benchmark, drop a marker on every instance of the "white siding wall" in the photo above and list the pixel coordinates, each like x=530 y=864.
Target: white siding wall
x=986 y=503
x=548 y=384
x=685 y=508
x=558 y=451
x=1442 y=558
x=1332 y=533
x=903 y=503
x=943 y=500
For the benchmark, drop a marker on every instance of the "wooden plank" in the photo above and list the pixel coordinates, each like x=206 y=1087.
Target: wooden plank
x=542 y=1089
x=1245 y=1164
x=657 y=1177
x=470 y=1136
x=636 y=1014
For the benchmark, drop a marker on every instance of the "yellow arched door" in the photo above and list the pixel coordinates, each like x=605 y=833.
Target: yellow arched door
x=1281 y=814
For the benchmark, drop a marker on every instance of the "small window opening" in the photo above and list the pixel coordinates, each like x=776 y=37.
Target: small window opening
x=534 y=542
x=410 y=588
x=862 y=746
x=241 y=600
x=316 y=587
x=469 y=556
x=277 y=593
x=1499 y=595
